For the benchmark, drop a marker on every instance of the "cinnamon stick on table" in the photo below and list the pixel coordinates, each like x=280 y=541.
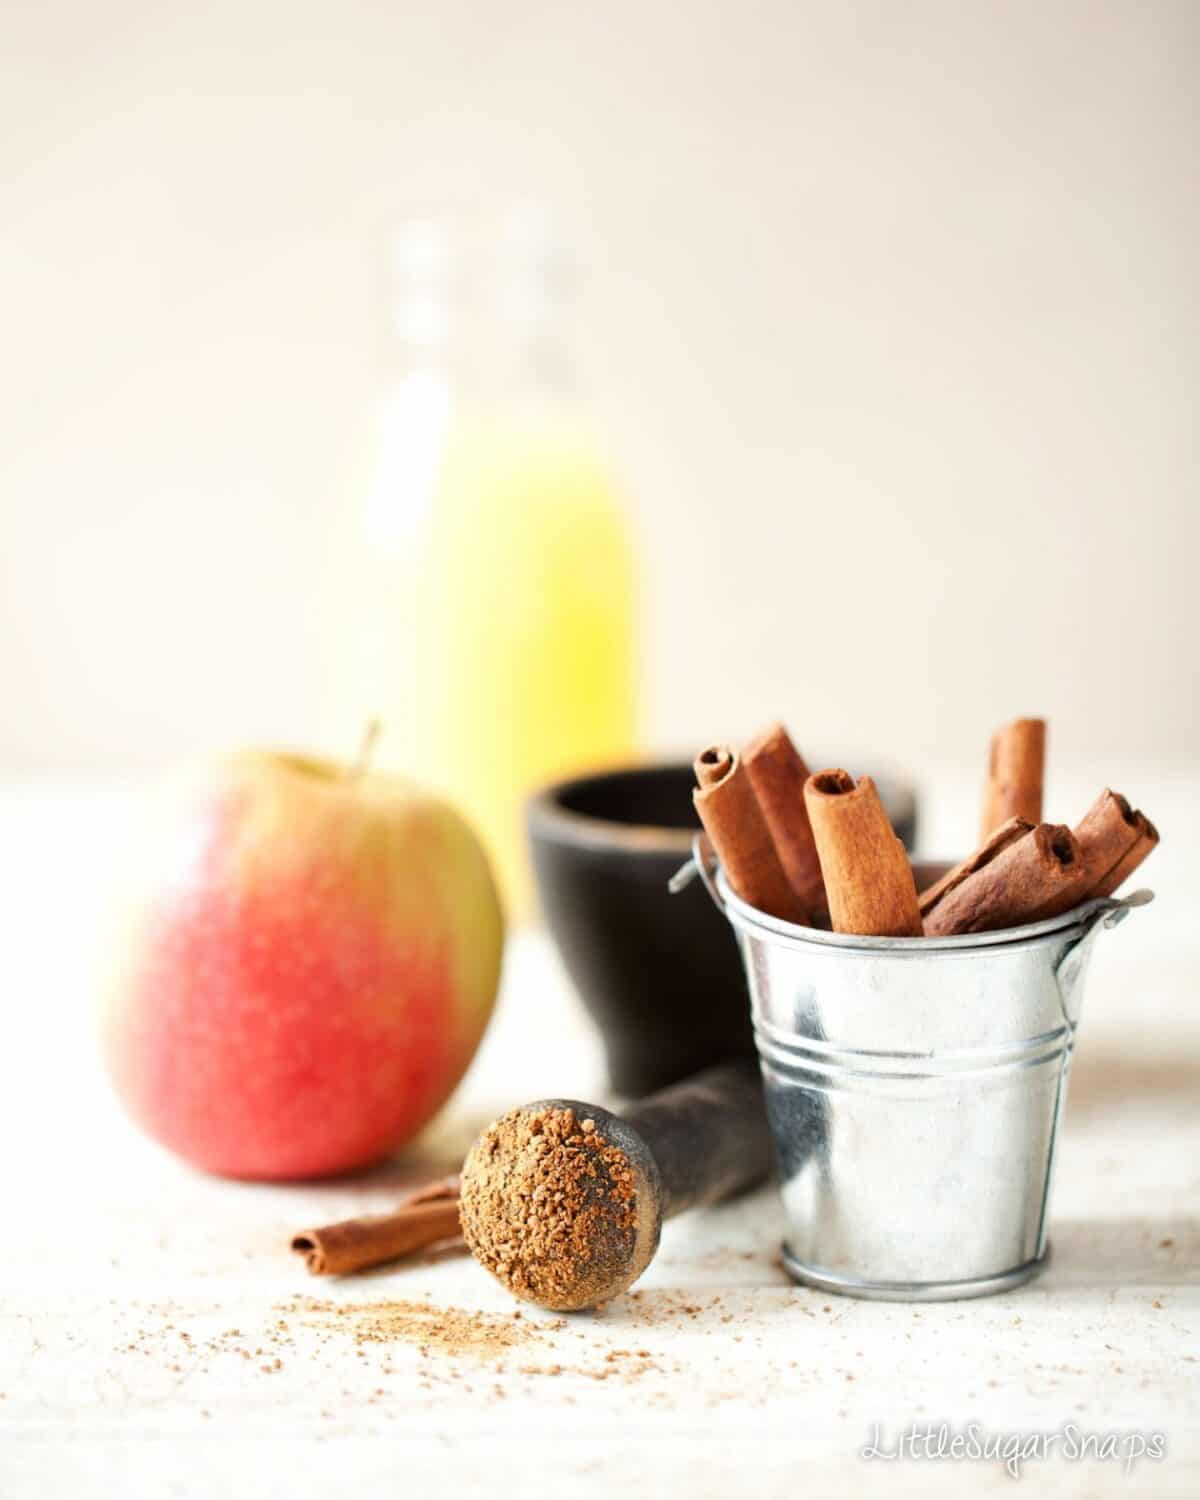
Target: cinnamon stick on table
x=425 y=1217
x=1114 y=839
x=1038 y=875
x=868 y=878
x=777 y=773
x=1016 y=767
x=734 y=821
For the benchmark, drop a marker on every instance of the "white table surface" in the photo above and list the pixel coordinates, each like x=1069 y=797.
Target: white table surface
x=123 y=1272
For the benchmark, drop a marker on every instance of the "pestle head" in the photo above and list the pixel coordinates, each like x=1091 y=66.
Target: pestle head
x=562 y=1202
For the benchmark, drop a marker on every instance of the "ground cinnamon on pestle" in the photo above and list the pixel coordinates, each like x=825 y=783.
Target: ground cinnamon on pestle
x=538 y=1195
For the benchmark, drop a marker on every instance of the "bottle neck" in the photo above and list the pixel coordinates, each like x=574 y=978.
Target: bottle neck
x=506 y=366
x=491 y=325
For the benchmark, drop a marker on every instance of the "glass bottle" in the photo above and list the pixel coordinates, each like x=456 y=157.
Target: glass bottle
x=482 y=588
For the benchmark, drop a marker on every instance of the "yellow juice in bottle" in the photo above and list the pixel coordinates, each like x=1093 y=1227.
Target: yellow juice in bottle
x=527 y=603
x=483 y=610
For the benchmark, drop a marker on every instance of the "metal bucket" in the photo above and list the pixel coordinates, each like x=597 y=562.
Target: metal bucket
x=915 y=1088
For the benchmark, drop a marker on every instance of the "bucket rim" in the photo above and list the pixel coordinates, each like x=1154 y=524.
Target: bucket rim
x=791 y=934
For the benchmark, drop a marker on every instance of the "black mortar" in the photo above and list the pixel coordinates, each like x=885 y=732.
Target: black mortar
x=659 y=974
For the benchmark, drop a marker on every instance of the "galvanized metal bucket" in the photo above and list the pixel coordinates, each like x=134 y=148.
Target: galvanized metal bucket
x=915 y=1088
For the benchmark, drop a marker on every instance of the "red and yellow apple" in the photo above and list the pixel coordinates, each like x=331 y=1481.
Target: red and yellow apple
x=306 y=959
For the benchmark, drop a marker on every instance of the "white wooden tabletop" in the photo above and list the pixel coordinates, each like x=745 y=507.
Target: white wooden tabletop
x=158 y=1339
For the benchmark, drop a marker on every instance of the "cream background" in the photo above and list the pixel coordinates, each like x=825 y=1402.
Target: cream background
x=890 y=322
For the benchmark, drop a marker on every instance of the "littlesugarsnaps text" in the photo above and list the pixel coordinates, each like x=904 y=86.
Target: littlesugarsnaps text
x=975 y=1443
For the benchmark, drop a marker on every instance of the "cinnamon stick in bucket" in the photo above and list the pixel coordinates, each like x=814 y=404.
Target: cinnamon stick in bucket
x=777 y=773
x=1145 y=844
x=1008 y=833
x=1038 y=875
x=1016 y=767
x=1114 y=839
x=734 y=821
x=868 y=878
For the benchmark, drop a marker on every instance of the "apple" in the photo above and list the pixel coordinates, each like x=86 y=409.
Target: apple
x=306 y=958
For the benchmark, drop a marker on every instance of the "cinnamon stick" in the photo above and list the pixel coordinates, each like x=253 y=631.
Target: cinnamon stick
x=1144 y=844
x=734 y=821
x=425 y=1217
x=1016 y=766
x=1040 y=874
x=868 y=879
x=1106 y=834
x=777 y=773
x=1008 y=833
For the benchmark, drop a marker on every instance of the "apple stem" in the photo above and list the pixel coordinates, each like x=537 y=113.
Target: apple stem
x=366 y=750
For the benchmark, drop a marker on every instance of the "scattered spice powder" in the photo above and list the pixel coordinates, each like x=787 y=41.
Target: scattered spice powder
x=548 y=1206
x=449 y=1330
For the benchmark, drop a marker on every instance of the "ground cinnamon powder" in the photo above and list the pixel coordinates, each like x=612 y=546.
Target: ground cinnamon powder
x=548 y=1206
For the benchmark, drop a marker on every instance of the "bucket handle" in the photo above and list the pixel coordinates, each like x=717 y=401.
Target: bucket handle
x=701 y=863
x=1106 y=913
